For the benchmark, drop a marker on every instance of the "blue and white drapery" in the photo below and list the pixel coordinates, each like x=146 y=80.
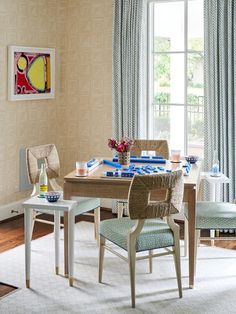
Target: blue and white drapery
x=128 y=67
x=128 y=70
x=220 y=88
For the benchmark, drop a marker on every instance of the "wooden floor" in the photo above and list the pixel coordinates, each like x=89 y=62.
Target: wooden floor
x=12 y=232
x=6 y=289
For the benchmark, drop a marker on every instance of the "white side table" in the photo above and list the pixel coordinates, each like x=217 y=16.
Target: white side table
x=215 y=185
x=61 y=205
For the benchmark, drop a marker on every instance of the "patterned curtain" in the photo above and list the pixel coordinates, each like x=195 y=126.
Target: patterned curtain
x=128 y=70
x=220 y=88
x=127 y=66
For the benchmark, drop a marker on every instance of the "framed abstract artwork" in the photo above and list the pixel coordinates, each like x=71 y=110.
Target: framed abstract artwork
x=31 y=73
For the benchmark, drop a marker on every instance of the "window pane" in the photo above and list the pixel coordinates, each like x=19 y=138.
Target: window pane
x=195 y=79
x=195 y=25
x=169 y=78
x=168 y=123
x=195 y=130
x=169 y=26
x=161 y=122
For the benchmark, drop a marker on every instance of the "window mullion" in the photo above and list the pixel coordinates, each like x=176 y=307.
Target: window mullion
x=185 y=76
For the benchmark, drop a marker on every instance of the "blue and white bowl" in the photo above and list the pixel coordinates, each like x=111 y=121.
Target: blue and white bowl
x=192 y=159
x=52 y=196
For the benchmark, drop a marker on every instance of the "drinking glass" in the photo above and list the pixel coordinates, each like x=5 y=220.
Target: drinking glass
x=81 y=168
x=175 y=155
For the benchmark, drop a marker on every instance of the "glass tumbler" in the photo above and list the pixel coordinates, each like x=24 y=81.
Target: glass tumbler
x=175 y=155
x=81 y=168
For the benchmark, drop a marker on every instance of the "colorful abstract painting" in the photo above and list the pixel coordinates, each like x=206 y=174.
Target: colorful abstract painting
x=33 y=73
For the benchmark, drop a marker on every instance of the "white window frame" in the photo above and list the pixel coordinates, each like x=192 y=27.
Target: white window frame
x=150 y=72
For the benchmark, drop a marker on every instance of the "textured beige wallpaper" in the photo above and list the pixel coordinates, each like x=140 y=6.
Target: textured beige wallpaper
x=78 y=120
x=89 y=80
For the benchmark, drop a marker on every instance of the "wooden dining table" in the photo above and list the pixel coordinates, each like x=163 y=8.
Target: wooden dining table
x=96 y=185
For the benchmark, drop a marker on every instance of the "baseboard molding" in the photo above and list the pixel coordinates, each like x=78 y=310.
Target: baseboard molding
x=10 y=210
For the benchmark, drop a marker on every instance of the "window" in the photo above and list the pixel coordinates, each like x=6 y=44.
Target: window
x=175 y=73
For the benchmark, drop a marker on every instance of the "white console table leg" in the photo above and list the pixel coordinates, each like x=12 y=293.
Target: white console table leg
x=212 y=199
x=71 y=223
x=217 y=192
x=28 y=229
x=57 y=239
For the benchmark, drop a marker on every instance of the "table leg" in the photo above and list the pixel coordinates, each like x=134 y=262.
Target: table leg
x=217 y=191
x=217 y=199
x=212 y=199
x=28 y=226
x=191 y=234
x=66 y=270
x=57 y=239
x=71 y=224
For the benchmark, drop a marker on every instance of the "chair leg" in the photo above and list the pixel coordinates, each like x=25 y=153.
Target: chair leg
x=178 y=267
x=175 y=228
x=197 y=237
x=57 y=239
x=132 y=260
x=97 y=223
x=101 y=257
x=212 y=235
x=120 y=210
x=185 y=237
x=150 y=261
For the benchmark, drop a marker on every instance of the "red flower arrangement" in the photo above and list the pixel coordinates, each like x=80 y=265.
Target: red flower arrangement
x=121 y=147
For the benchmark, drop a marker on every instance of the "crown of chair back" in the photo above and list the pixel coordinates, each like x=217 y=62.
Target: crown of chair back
x=47 y=152
x=159 y=146
x=139 y=204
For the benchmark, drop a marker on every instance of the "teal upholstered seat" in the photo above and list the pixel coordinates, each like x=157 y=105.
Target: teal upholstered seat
x=155 y=233
x=213 y=215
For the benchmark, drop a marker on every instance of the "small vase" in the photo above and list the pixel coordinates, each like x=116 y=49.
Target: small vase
x=124 y=158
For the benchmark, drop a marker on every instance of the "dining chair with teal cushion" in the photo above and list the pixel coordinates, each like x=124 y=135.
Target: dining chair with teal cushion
x=212 y=216
x=145 y=229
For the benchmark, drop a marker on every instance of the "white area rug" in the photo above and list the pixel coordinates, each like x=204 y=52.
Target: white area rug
x=156 y=293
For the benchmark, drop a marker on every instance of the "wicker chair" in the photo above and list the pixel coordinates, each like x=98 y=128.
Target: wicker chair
x=48 y=153
x=160 y=147
x=145 y=230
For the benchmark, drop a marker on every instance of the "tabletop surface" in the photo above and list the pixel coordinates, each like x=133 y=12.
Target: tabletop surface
x=221 y=179
x=96 y=175
x=42 y=203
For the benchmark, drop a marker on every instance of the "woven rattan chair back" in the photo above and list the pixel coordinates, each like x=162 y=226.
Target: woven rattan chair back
x=160 y=147
x=47 y=152
x=139 y=204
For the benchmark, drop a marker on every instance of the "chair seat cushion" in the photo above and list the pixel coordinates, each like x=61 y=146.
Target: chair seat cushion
x=214 y=215
x=155 y=233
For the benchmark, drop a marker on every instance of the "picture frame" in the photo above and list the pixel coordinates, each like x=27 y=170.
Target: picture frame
x=31 y=73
